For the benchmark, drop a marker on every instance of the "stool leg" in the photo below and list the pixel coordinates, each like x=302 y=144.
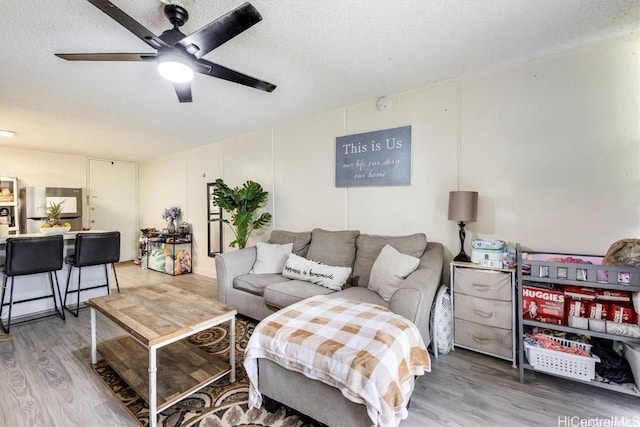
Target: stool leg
x=116 y=276
x=2 y=304
x=106 y=276
x=10 y=307
x=57 y=286
x=66 y=290
x=79 y=281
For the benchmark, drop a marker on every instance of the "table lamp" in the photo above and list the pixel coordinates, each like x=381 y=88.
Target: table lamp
x=463 y=207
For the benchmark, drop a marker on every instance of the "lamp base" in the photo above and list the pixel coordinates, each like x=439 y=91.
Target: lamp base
x=462 y=257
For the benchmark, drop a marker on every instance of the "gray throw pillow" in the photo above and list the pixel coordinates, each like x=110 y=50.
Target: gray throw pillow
x=300 y=240
x=369 y=247
x=333 y=247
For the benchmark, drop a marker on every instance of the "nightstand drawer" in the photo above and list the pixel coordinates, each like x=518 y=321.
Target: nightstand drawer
x=487 y=339
x=483 y=283
x=483 y=311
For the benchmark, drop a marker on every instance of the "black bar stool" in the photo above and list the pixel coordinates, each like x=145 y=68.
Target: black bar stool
x=32 y=255
x=92 y=249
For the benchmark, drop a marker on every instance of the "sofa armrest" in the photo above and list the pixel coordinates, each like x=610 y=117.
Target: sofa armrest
x=414 y=298
x=230 y=265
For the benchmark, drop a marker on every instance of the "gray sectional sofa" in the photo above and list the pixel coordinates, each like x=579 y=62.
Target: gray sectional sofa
x=259 y=295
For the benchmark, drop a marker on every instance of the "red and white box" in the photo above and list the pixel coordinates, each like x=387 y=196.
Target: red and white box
x=598 y=310
x=621 y=313
x=578 y=293
x=576 y=308
x=613 y=296
x=543 y=305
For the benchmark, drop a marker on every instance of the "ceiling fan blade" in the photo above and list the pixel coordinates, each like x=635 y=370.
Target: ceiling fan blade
x=221 y=30
x=107 y=56
x=233 y=76
x=183 y=90
x=129 y=23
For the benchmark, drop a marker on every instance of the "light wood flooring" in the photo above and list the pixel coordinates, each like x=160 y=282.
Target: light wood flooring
x=46 y=380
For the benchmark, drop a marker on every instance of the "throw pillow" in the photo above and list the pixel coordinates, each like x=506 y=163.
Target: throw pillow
x=311 y=271
x=300 y=240
x=389 y=270
x=270 y=259
x=333 y=247
x=369 y=247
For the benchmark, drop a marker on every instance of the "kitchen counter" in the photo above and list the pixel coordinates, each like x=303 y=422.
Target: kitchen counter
x=71 y=235
x=38 y=284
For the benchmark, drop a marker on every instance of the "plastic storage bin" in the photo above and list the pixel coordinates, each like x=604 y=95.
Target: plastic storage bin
x=563 y=364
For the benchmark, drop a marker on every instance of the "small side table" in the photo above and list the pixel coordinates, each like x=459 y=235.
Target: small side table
x=484 y=308
x=176 y=245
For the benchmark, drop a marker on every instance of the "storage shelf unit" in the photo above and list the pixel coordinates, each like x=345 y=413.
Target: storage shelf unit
x=9 y=201
x=596 y=276
x=170 y=253
x=484 y=309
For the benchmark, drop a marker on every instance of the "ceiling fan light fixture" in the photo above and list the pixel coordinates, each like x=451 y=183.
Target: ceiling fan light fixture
x=175 y=71
x=7 y=133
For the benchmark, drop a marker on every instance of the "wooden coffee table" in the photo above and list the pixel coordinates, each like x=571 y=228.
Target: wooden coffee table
x=157 y=319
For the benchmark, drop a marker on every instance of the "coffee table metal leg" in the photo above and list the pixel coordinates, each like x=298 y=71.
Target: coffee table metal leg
x=232 y=349
x=94 y=357
x=153 y=416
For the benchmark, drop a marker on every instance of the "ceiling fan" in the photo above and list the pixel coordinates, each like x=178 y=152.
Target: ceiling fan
x=179 y=56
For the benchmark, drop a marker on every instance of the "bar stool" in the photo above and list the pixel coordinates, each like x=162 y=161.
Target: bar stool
x=92 y=249
x=32 y=255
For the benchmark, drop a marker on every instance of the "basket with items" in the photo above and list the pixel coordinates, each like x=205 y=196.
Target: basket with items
x=588 y=310
x=560 y=356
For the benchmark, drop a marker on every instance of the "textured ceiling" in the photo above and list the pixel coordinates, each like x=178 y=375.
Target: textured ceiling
x=322 y=55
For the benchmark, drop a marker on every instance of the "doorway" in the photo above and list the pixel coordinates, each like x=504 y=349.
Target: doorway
x=113 y=202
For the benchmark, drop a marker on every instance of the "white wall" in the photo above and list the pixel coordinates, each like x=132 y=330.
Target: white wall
x=34 y=168
x=552 y=146
x=561 y=138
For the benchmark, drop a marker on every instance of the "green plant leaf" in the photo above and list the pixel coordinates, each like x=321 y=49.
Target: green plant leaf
x=242 y=203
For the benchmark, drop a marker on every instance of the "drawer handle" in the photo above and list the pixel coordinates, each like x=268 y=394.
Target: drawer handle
x=481 y=313
x=481 y=340
x=481 y=287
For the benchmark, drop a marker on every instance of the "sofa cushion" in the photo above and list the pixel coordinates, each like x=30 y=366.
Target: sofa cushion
x=300 y=240
x=255 y=283
x=329 y=276
x=282 y=294
x=389 y=270
x=333 y=247
x=271 y=258
x=369 y=247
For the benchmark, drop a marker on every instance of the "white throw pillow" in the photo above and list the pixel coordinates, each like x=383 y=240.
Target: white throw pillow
x=389 y=270
x=328 y=276
x=270 y=259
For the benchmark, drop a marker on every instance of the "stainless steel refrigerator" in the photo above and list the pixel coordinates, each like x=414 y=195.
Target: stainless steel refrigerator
x=35 y=200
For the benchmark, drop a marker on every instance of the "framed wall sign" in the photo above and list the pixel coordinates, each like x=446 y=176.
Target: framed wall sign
x=214 y=228
x=374 y=158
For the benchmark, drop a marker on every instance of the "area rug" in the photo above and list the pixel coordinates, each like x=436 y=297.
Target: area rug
x=218 y=405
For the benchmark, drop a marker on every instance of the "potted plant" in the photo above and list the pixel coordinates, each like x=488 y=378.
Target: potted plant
x=170 y=214
x=242 y=203
x=54 y=212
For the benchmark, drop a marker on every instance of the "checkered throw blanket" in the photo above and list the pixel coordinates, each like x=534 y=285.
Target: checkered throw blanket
x=368 y=352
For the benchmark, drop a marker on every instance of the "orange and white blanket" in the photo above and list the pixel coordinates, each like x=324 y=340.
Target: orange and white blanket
x=368 y=352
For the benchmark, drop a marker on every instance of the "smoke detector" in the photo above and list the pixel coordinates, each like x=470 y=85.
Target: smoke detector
x=383 y=103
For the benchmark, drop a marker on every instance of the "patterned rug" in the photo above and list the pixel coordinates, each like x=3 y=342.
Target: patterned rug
x=218 y=405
